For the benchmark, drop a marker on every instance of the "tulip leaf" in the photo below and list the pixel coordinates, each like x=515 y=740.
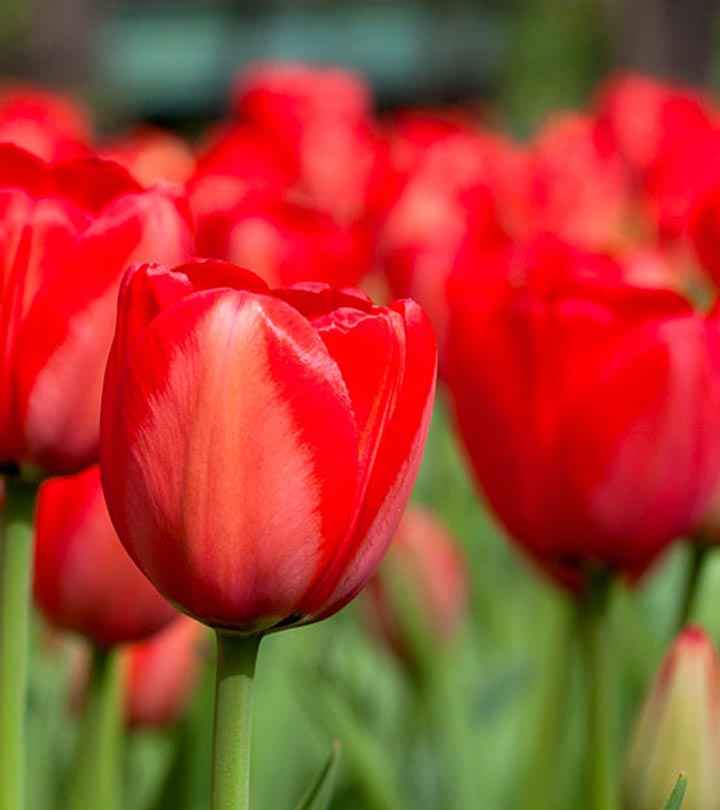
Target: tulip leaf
x=675 y=798
x=320 y=792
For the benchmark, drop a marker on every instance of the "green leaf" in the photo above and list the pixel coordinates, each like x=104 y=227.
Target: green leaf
x=675 y=799
x=320 y=792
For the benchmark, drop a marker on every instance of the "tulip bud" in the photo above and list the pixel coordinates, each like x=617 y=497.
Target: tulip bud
x=84 y=580
x=425 y=561
x=161 y=674
x=678 y=729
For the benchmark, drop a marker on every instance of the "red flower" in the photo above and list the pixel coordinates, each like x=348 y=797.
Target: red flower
x=161 y=674
x=67 y=232
x=84 y=580
x=258 y=447
x=50 y=125
x=286 y=243
x=152 y=155
x=589 y=410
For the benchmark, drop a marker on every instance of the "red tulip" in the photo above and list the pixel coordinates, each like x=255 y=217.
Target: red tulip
x=258 y=447
x=161 y=674
x=319 y=120
x=84 y=580
x=286 y=243
x=576 y=183
x=589 y=410
x=50 y=125
x=67 y=232
x=426 y=560
x=152 y=155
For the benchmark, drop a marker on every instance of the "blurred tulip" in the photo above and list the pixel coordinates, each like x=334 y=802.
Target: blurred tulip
x=577 y=187
x=84 y=580
x=425 y=561
x=311 y=403
x=67 y=232
x=588 y=409
x=162 y=673
x=50 y=125
x=678 y=729
x=152 y=155
x=641 y=114
x=320 y=120
x=236 y=164
x=286 y=243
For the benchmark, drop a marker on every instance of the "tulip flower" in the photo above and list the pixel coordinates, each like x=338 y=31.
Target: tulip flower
x=424 y=560
x=84 y=580
x=152 y=155
x=286 y=243
x=588 y=409
x=323 y=446
x=161 y=674
x=50 y=125
x=68 y=232
x=678 y=729
x=319 y=120
x=257 y=451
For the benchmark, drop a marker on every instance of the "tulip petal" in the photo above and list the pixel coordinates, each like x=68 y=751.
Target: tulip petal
x=393 y=405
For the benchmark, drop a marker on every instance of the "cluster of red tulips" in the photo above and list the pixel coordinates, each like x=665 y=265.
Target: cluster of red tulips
x=259 y=420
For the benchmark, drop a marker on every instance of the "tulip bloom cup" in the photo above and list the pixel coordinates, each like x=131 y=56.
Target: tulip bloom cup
x=258 y=448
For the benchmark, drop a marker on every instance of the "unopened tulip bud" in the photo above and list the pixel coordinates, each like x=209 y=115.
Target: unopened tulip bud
x=678 y=729
x=161 y=674
x=424 y=564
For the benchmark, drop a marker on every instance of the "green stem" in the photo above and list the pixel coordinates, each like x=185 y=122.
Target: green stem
x=236 y=657
x=16 y=553
x=699 y=555
x=96 y=770
x=553 y=704
x=595 y=649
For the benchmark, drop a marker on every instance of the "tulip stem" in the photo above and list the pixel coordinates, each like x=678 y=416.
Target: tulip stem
x=16 y=553
x=595 y=650
x=96 y=770
x=236 y=657
x=698 y=556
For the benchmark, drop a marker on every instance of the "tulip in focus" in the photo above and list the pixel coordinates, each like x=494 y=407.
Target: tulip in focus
x=678 y=729
x=258 y=447
x=426 y=562
x=84 y=580
x=67 y=232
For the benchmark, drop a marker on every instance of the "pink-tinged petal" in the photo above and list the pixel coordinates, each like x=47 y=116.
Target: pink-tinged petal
x=84 y=580
x=91 y=183
x=36 y=235
x=393 y=436
x=162 y=674
x=146 y=290
x=235 y=437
